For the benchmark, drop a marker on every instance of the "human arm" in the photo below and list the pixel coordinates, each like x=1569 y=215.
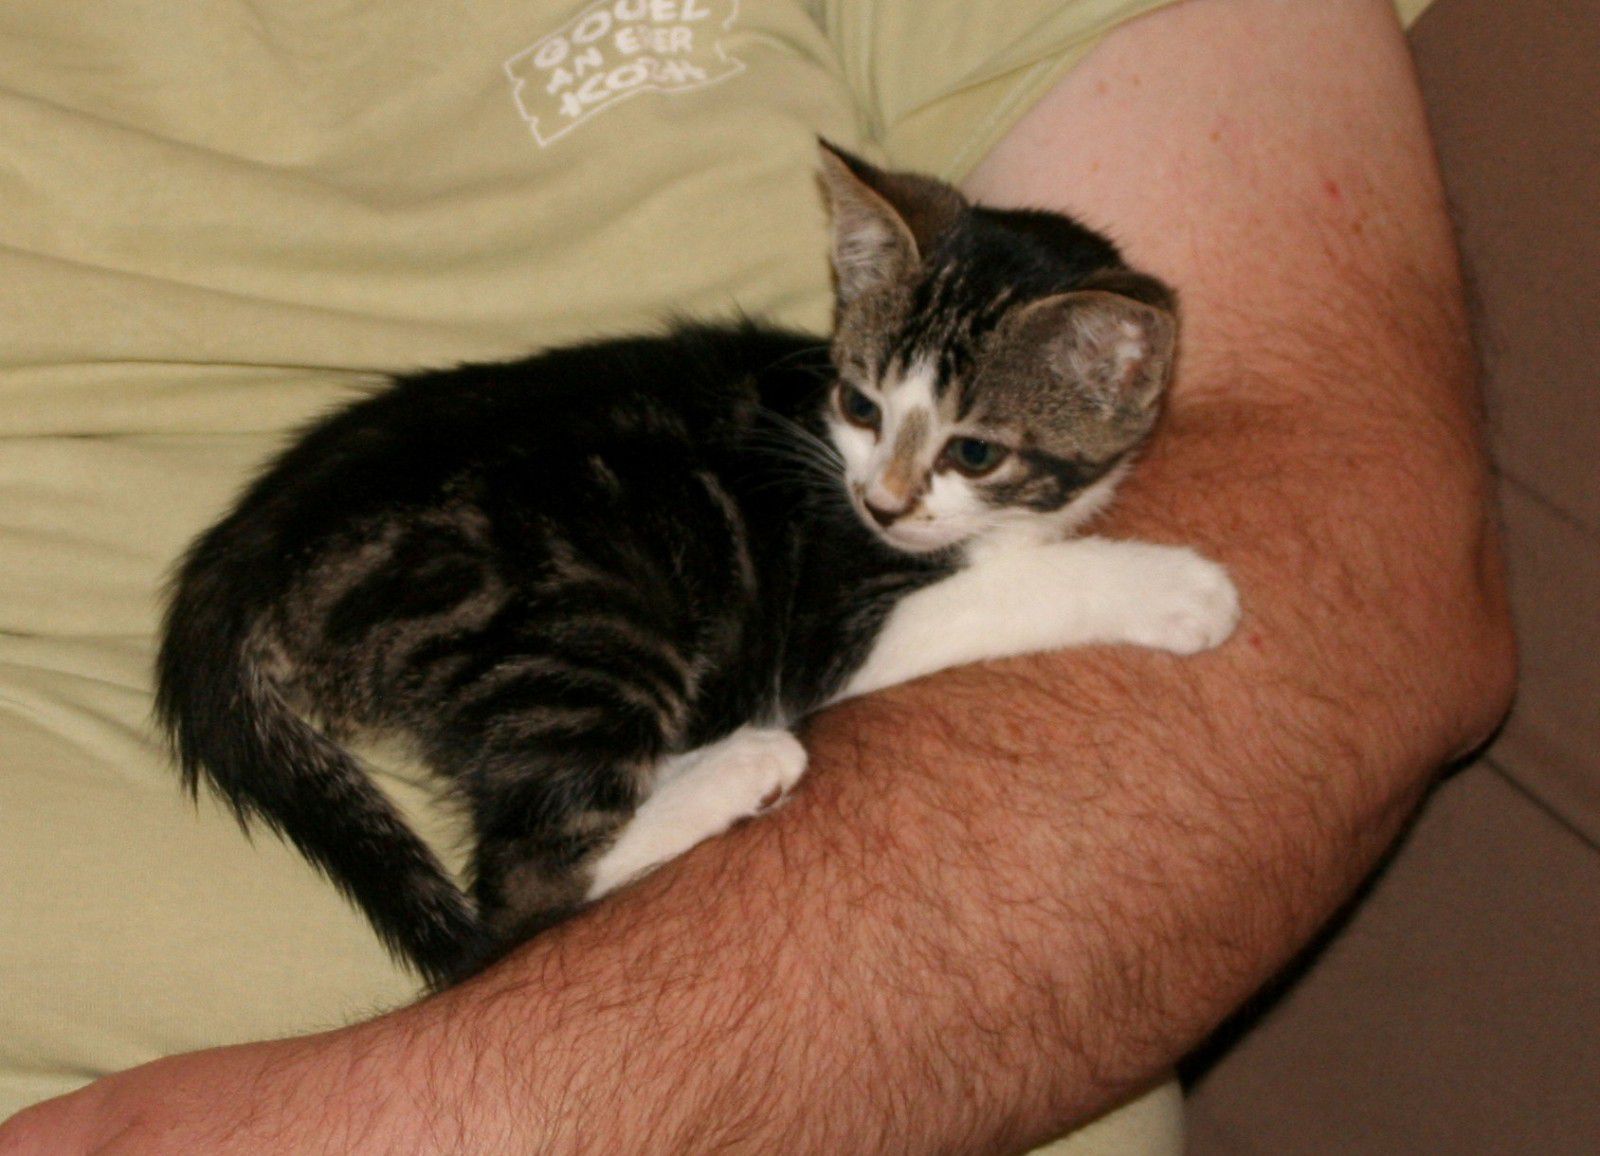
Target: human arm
x=1007 y=896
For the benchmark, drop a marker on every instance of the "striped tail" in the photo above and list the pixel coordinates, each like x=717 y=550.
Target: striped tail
x=231 y=726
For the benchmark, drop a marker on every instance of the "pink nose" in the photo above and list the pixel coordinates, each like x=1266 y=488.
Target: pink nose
x=880 y=515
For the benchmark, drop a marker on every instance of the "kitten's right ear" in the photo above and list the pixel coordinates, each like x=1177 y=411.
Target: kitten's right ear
x=1115 y=349
x=883 y=222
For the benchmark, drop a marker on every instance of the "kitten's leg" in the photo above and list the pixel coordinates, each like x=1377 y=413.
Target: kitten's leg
x=703 y=794
x=1047 y=597
x=550 y=789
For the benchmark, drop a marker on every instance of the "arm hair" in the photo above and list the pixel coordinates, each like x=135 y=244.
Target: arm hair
x=1009 y=896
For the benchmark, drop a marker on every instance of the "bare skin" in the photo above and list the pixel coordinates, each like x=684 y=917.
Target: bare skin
x=1007 y=897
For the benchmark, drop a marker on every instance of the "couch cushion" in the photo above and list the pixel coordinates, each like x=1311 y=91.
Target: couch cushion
x=1453 y=1015
x=1514 y=95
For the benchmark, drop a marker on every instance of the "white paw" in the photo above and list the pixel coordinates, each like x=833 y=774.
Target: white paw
x=760 y=767
x=1189 y=605
x=708 y=791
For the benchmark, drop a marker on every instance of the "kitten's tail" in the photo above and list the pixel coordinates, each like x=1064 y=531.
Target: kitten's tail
x=230 y=725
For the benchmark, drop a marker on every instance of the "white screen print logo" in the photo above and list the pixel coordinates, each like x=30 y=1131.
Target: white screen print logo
x=616 y=49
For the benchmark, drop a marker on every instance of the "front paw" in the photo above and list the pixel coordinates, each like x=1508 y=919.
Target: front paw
x=1190 y=605
x=762 y=765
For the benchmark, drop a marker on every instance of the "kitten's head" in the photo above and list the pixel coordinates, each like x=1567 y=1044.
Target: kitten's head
x=996 y=368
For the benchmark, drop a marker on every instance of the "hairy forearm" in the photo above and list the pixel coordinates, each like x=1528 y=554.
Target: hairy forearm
x=1006 y=896
x=1003 y=898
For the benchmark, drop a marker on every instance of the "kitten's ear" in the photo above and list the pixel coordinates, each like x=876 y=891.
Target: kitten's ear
x=1116 y=350
x=883 y=222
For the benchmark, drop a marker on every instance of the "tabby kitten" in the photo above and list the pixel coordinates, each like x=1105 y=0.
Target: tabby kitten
x=593 y=589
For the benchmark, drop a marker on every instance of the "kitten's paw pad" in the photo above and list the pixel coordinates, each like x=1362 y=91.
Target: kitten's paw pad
x=1193 y=607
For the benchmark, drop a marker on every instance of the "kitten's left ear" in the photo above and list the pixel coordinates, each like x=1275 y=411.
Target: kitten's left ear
x=884 y=223
x=1116 y=350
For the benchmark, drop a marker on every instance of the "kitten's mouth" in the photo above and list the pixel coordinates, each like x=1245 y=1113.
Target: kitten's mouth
x=910 y=535
x=917 y=544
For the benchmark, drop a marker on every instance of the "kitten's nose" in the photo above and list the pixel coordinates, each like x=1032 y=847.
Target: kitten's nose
x=880 y=515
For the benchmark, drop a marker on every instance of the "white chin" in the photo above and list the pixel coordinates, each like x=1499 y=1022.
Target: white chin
x=914 y=540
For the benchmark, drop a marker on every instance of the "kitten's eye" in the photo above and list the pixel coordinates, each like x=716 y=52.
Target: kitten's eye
x=858 y=408
x=974 y=456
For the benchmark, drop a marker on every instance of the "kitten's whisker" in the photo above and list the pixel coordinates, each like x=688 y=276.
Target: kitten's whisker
x=799 y=465
x=795 y=355
x=787 y=447
x=786 y=428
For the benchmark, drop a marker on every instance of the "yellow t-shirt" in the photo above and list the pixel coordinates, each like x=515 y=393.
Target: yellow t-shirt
x=219 y=219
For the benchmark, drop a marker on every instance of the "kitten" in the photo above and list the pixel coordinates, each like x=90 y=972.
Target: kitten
x=594 y=588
